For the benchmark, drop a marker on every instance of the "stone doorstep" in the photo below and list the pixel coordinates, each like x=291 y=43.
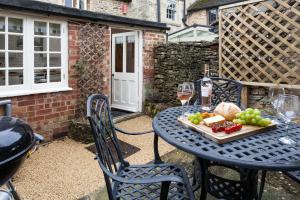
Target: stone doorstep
x=126 y=117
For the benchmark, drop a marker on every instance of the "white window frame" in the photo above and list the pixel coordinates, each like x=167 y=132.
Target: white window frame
x=85 y=4
x=29 y=87
x=209 y=21
x=6 y=51
x=171 y=6
x=77 y=2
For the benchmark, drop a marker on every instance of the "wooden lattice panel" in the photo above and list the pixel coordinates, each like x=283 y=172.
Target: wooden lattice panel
x=91 y=39
x=92 y=49
x=260 y=42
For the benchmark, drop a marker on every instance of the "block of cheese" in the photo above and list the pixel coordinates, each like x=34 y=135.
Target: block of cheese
x=218 y=119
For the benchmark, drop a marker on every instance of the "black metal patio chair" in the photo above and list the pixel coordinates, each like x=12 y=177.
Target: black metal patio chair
x=125 y=181
x=223 y=90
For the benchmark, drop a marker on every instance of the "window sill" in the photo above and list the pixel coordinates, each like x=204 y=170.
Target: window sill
x=31 y=92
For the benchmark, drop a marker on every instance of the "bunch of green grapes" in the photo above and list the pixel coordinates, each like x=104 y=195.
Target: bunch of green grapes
x=251 y=117
x=195 y=118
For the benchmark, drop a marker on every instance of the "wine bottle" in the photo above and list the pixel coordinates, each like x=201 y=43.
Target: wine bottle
x=206 y=89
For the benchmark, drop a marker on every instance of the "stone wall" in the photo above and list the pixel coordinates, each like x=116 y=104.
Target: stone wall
x=200 y=17
x=258 y=96
x=137 y=9
x=177 y=63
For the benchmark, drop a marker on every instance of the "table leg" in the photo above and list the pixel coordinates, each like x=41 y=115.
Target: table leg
x=219 y=187
x=203 y=168
x=262 y=184
x=249 y=183
x=196 y=181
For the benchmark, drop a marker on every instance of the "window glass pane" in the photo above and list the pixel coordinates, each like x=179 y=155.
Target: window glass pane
x=2 y=41
x=40 y=76
x=15 y=59
x=2 y=77
x=54 y=44
x=212 y=15
x=55 y=75
x=54 y=29
x=40 y=60
x=2 y=24
x=2 y=59
x=81 y=4
x=40 y=28
x=130 y=54
x=40 y=44
x=171 y=9
x=15 y=77
x=15 y=42
x=55 y=60
x=119 y=54
x=69 y=3
x=15 y=25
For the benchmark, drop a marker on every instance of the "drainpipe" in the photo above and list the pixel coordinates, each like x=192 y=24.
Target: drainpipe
x=158 y=10
x=184 y=18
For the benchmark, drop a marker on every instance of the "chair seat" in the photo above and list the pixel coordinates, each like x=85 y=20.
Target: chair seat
x=295 y=175
x=177 y=191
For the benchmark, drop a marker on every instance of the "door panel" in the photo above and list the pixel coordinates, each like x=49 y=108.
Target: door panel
x=125 y=94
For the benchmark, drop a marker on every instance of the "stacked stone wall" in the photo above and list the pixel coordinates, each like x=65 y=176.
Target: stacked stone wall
x=180 y=62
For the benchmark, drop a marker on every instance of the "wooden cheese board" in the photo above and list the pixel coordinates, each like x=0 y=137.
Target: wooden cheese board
x=222 y=137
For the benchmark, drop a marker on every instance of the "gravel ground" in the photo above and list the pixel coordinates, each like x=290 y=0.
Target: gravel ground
x=64 y=169
x=61 y=170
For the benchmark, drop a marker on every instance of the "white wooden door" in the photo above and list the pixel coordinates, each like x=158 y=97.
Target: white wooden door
x=125 y=75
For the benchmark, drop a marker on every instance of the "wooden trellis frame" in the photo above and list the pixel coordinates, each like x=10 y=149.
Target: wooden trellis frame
x=260 y=42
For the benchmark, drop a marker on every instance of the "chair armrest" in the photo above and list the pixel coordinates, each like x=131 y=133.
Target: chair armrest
x=130 y=133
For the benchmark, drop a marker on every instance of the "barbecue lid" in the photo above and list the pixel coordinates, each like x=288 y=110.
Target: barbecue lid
x=16 y=139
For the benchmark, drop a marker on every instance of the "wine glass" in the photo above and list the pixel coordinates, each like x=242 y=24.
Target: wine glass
x=288 y=108
x=192 y=86
x=273 y=95
x=184 y=93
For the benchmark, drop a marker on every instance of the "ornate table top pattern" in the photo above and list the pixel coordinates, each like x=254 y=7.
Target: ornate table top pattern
x=261 y=151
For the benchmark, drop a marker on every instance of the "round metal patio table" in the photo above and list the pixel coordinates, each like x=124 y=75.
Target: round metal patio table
x=258 y=152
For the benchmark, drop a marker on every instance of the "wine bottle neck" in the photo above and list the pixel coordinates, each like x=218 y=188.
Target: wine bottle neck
x=206 y=70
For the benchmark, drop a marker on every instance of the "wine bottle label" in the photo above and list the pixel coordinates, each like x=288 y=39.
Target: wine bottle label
x=205 y=91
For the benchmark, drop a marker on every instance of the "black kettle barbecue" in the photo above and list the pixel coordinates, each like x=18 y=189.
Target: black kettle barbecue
x=16 y=140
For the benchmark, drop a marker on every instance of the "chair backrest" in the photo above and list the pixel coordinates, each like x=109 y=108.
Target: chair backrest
x=106 y=141
x=226 y=90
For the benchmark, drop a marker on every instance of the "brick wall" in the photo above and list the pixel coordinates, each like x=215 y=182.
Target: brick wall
x=151 y=40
